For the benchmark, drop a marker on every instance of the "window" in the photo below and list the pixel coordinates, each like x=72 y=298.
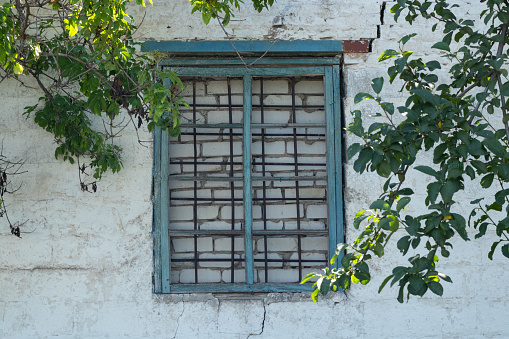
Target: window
x=249 y=197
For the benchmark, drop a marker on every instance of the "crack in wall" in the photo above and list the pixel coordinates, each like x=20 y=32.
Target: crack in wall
x=263 y=323
x=383 y=7
x=178 y=319
x=382 y=12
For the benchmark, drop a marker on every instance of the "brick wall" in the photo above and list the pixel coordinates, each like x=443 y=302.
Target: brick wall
x=83 y=268
x=273 y=156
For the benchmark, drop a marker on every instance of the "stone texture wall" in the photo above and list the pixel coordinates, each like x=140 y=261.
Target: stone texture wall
x=83 y=268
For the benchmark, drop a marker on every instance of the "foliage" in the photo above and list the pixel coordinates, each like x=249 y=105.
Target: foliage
x=463 y=120
x=222 y=9
x=82 y=54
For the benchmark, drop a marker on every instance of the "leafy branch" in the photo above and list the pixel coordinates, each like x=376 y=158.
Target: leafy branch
x=463 y=121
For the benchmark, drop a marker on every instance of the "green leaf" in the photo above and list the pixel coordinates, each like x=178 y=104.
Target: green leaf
x=362 y=266
x=416 y=285
x=447 y=191
x=314 y=295
x=432 y=65
x=505 y=89
x=378 y=249
x=400 y=294
x=501 y=195
x=386 y=280
x=73 y=30
x=352 y=150
x=387 y=54
x=406 y=38
x=357 y=221
x=324 y=286
x=206 y=17
x=402 y=203
x=492 y=250
x=505 y=250
x=479 y=166
x=379 y=205
x=377 y=84
x=383 y=169
x=361 y=96
x=403 y=244
x=364 y=157
x=494 y=146
x=344 y=282
x=340 y=248
x=333 y=259
x=445 y=277
x=18 y=69
x=426 y=95
x=428 y=170
x=487 y=180
x=442 y=46
x=385 y=224
x=476 y=201
x=309 y=276
x=436 y=288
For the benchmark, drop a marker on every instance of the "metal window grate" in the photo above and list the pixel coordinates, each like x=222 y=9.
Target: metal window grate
x=287 y=180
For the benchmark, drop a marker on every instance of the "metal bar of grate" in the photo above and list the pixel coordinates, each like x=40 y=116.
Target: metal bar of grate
x=256 y=106
x=227 y=232
x=264 y=200
x=248 y=222
x=283 y=125
x=254 y=163
x=318 y=261
x=253 y=178
x=195 y=187
x=264 y=189
x=232 y=188
x=257 y=134
x=296 y=159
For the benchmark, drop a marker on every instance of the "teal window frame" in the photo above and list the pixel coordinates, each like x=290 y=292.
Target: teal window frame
x=329 y=68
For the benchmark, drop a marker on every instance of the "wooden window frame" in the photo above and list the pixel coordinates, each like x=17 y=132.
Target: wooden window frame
x=329 y=68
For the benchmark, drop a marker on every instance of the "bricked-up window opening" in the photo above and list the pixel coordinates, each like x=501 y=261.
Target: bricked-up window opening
x=252 y=183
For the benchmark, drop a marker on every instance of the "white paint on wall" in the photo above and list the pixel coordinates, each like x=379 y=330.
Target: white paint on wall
x=84 y=270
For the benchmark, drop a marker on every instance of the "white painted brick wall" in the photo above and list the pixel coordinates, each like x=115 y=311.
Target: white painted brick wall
x=283 y=211
x=316 y=211
x=277 y=244
x=271 y=87
x=316 y=147
x=270 y=117
x=221 y=244
x=270 y=264
x=233 y=100
x=272 y=148
x=221 y=87
x=239 y=276
x=281 y=100
x=309 y=87
x=214 y=149
x=85 y=269
x=187 y=244
x=208 y=212
x=204 y=275
x=312 y=117
x=188 y=89
x=221 y=117
x=202 y=100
